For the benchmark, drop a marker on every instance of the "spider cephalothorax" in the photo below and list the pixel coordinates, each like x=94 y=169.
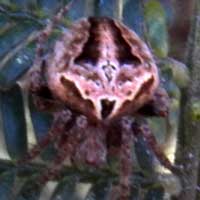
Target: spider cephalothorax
x=98 y=79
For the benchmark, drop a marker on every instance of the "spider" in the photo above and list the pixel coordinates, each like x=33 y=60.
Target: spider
x=99 y=82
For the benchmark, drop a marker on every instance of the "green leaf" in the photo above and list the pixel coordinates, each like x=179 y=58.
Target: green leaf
x=41 y=123
x=16 y=55
x=157 y=34
x=195 y=110
x=99 y=191
x=13 y=120
x=6 y=185
x=134 y=19
x=105 y=8
x=6 y=2
x=30 y=191
x=15 y=68
x=145 y=156
x=135 y=193
x=178 y=71
x=50 y=7
x=15 y=34
x=65 y=190
x=155 y=194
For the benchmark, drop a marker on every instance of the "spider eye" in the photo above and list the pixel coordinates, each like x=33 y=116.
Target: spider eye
x=106 y=108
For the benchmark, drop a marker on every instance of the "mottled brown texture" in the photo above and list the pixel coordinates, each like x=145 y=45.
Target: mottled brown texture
x=99 y=77
x=108 y=62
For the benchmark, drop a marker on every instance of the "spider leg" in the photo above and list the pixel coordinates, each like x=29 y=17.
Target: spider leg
x=123 y=189
x=144 y=130
x=66 y=149
x=62 y=121
x=38 y=84
x=41 y=95
x=157 y=106
x=92 y=150
x=46 y=32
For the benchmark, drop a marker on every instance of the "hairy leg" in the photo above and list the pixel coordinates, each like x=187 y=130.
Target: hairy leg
x=142 y=128
x=66 y=149
x=43 y=98
x=157 y=106
x=92 y=150
x=40 y=93
x=62 y=122
x=126 y=158
x=122 y=191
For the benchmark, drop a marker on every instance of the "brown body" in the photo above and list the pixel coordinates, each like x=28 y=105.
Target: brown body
x=102 y=68
x=100 y=71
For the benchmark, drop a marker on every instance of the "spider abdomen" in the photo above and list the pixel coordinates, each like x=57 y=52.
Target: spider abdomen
x=108 y=73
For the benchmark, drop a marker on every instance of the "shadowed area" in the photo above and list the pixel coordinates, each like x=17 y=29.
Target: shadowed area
x=124 y=54
x=91 y=53
x=106 y=108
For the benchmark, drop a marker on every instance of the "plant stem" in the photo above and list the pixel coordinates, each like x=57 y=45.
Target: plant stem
x=188 y=152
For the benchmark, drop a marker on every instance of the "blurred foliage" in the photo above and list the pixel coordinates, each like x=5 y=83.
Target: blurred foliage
x=14 y=125
x=20 y=21
x=155 y=19
x=195 y=110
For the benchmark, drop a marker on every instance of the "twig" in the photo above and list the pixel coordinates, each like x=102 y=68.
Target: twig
x=20 y=16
